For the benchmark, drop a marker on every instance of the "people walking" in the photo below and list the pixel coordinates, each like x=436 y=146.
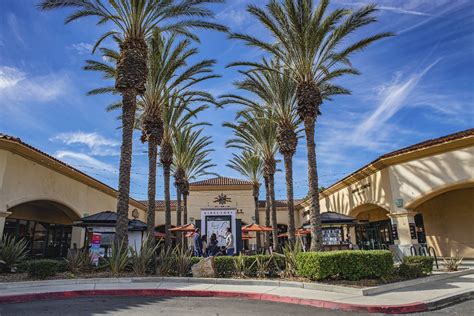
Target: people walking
x=229 y=242
x=197 y=243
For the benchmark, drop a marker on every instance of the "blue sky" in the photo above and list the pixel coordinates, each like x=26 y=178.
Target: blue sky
x=415 y=86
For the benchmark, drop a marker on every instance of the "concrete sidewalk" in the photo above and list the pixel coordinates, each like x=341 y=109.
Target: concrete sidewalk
x=416 y=298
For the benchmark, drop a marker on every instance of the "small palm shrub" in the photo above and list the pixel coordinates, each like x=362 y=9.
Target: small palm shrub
x=290 y=252
x=182 y=260
x=165 y=261
x=118 y=260
x=425 y=262
x=241 y=266
x=142 y=260
x=263 y=265
x=452 y=263
x=78 y=261
x=13 y=250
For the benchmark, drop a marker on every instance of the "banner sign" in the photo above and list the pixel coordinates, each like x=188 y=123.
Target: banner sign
x=217 y=221
x=95 y=248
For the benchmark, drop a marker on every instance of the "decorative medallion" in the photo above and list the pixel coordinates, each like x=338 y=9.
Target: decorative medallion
x=222 y=199
x=135 y=213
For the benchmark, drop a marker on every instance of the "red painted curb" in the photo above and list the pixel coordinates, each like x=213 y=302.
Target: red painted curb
x=387 y=309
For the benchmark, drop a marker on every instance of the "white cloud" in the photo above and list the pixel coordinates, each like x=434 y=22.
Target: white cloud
x=233 y=17
x=392 y=100
x=82 y=48
x=17 y=86
x=14 y=27
x=83 y=161
x=96 y=143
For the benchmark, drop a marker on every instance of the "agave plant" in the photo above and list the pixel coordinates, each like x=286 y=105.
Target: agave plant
x=165 y=261
x=263 y=265
x=13 y=250
x=118 y=261
x=142 y=260
x=290 y=252
x=183 y=261
x=241 y=268
x=452 y=263
x=78 y=260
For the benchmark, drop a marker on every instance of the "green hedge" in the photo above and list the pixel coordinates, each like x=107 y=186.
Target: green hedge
x=410 y=270
x=426 y=263
x=225 y=266
x=346 y=264
x=43 y=268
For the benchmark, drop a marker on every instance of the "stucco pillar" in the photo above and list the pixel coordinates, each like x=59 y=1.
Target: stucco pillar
x=3 y=216
x=404 y=231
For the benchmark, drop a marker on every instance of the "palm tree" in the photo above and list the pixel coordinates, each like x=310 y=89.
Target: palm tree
x=135 y=20
x=168 y=70
x=313 y=45
x=277 y=93
x=255 y=132
x=176 y=116
x=191 y=160
x=249 y=165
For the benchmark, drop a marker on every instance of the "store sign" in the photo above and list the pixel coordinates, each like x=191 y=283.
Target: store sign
x=413 y=231
x=394 y=232
x=95 y=248
x=360 y=188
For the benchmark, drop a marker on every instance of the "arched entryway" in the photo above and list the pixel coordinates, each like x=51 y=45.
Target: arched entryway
x=448 y=219
x=374 y=229
x=47 y=225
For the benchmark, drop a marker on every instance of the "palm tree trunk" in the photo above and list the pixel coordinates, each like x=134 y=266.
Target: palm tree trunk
x=185 y=217
x=257 y=215
x=129 y=99
x=166 y=180
x=152 y=153
x=288 y=160
x=271 y=187
x=314 y=211
x=178 y=215
x=267 y=212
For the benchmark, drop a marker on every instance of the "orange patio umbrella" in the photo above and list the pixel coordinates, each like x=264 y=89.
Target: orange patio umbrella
x=189 y=234
x=185 y=228
x=256 y=228
x=299 y=232
x=246 y=237
x=160 y=235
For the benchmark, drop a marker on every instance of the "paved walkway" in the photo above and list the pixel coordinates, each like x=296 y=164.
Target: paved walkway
x=421 y=297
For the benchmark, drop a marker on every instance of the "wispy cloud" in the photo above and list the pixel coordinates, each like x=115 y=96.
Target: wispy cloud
x=81 y=48
x=96 y=143
x=393 y=99
x=84 y=161
x=16 y=85
x=14 y=27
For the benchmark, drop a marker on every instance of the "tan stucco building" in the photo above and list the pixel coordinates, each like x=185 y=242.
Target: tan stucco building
x=421 y=193
x=41 y=197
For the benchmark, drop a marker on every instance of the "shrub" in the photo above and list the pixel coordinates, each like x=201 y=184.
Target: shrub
x=195 y=260
x=165 y=261
x=290 y=252
x=78 y=261
x=410 y=270
x=12 y=251
x=426 y=263
x=345 y=264
x=263 y=266
x=452 y=263
x=43 y=268
x=118 y=260
x=182 y=260
x=224 y=266
x=142 y=260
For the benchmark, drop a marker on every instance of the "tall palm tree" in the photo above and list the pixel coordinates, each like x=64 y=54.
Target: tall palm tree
x=176 y=116
x=256 y=132
x=134 y=21
x=277 y=93
x=249 y=165
x=313 y=45
x=191 y=160
x=168 y=70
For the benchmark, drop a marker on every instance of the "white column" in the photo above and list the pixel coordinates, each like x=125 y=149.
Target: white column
x=404 y=221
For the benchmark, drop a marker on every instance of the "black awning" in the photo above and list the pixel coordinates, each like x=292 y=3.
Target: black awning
x=109 y=218
x=333 y=218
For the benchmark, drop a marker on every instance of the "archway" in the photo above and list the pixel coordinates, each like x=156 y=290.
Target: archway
x=47 y=225
x=374 y=230
x=448 y=218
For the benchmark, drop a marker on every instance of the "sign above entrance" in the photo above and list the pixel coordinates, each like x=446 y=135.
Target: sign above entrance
x=222 y=199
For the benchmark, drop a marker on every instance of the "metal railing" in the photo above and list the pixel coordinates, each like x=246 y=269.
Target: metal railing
x=424 y=250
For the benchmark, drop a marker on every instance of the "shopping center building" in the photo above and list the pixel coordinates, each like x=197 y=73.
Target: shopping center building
x=419 y=194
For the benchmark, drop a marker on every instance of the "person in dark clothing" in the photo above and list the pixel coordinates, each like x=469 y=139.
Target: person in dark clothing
x=197 y=243
x=212 y=247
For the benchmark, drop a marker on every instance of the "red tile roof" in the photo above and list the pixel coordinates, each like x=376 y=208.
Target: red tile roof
x=160 y=204
x=221 y=181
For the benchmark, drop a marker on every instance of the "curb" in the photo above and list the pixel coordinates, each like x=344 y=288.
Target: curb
x=387 y=309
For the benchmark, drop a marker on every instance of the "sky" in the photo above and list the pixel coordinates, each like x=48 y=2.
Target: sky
x=414 y=86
